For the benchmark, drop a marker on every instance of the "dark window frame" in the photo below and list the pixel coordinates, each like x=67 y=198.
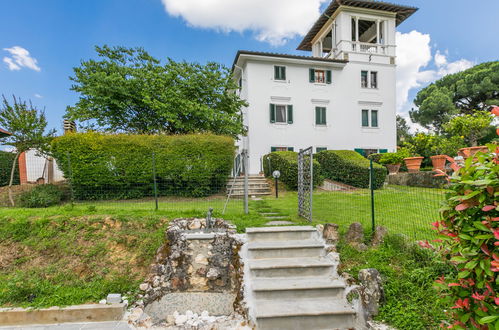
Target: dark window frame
x=279 y=73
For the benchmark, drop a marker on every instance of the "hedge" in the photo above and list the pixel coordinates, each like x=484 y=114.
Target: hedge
x=101 y=166
x=287 y=163
x=351 y=168
x=6 y=159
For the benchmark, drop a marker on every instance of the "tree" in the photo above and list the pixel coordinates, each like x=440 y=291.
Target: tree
x=457 y=94
x=403 y=130
x=27 y=126
x=128 y=90
x=472 y=127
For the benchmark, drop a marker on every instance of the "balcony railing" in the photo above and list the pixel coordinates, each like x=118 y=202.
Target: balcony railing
x=365 y=47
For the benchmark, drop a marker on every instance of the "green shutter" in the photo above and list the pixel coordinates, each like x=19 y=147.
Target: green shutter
x=324 y=121
x=328 y=76
x=360 y=151
x=272 y=113
x=311 y=75
x=273 y=149
x=383 y=151
x=365 y=118
x=276 y=72
x=290 y=114
x=374 y=118
x=291 y=149
x=319 y=149
x=317 y=116
x=283 y=72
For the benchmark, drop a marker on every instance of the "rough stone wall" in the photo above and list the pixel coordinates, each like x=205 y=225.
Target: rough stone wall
x=424 y=179
x=194 y=260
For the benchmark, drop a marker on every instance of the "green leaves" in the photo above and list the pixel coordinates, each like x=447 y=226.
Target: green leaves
x=128 y=90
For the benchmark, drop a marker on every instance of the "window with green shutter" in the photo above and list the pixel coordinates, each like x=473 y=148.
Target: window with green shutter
x=279 y=72
x=319 y=149
x=291 y=149
x=272 y=113
x=365 y=118
x=383 y=151
x=360 y=151
x=320 y=115
x=311 y=75
x=328 y=77
x=273 y=149
x=374 y=118
x=290 y=114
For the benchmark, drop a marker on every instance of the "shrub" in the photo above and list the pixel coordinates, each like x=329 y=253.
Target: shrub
x=375 y=157
x=41 y=196
x=121 y=166
x=349 y=167
x=6 y=159
x=469 y=232
x=394 y=157
x=287 y=163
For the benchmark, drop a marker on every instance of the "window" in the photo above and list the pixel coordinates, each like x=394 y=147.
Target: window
x=369 y=118
x=368 y=79
x=319 y=149
x=374 y=118
x=374 y=79
x=272 y=149
x=365 y=118
x=320 y=115
x=363 y=79
x=320 y=76
x=280 y=113
x=279 y=72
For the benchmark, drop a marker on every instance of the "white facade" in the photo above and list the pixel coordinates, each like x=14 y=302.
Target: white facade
x=352 y=103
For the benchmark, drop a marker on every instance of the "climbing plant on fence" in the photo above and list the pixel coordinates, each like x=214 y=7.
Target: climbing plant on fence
x=101 y=166
x=469 y=234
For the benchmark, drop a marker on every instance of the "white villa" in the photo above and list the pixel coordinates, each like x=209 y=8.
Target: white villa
x=341 y=96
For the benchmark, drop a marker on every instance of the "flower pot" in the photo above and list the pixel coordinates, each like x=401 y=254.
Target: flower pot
x=393 y=168
x=413 y=163
x=471 y=151
x=438 y=162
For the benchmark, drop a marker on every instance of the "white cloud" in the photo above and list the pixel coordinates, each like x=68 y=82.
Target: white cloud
x=272 y=21
x=20 y=58
x=414 y=56
x=38 y=96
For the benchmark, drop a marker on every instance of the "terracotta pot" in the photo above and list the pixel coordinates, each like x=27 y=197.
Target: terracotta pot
x=438 y=162
x=393 y=168
x=413 y=163
x=471 y=151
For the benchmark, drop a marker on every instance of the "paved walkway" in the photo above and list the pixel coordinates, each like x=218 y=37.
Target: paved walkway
x=111 y=325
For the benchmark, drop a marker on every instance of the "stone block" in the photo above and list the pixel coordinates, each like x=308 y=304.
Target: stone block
x=113 y=298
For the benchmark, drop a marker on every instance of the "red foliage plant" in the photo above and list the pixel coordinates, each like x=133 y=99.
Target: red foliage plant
x=469 y=239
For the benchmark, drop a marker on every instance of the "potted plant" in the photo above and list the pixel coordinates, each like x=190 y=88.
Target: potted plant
x=413 y=163
x=471 y=151
x=438 y=162
x=392 y=161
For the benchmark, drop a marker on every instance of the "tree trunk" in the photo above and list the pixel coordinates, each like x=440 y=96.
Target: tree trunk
x=12 y=171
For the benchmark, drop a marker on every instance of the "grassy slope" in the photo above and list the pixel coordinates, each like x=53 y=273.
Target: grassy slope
x=74 y=254
x=408 y=272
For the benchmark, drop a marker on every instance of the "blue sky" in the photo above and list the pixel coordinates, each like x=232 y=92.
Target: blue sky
x=58 y=34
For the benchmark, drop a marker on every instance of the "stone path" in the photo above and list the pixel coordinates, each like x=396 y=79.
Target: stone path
x=292 y=283
x=275 y=217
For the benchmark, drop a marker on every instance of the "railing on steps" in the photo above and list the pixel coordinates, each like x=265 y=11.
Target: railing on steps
x=240 y=165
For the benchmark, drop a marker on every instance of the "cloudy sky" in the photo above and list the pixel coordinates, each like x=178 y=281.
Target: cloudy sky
x=41 y=41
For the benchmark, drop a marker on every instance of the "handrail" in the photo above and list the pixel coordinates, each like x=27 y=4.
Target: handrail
x=236 y=174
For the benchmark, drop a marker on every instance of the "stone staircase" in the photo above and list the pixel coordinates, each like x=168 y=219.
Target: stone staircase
x=291 y=284
x=257 y=186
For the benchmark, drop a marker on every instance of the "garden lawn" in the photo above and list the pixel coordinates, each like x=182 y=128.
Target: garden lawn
x=403 y=210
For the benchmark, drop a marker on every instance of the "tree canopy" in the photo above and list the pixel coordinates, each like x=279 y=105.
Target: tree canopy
x=128 y=90
x=461 y=93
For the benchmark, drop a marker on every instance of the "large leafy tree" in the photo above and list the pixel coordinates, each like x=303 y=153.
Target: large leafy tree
x=128 y=90
x=27 y=126
x=470 y=127
x=457 y=94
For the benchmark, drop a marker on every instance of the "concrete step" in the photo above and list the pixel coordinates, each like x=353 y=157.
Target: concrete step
x=285 y=249
x=281 y=233
x=301 y=314
x=297 y=288
x=252 y=190
x=250 y=186
x=290 y=267
x=240 y=194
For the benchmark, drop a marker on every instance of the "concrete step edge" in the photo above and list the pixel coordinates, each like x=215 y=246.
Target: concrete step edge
x=258 y=230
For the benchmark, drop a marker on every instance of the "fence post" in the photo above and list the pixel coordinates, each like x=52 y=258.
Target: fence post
x=70 y=179
x=154 y=180
x=371 y=186
x=245 y=167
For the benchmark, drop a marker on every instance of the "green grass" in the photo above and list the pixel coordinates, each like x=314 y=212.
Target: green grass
x=408 y=274
x=73 y=254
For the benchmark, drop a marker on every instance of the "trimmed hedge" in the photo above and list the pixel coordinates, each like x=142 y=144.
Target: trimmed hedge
x=6 y=159
x=120 y=165
x=351 y=168
x=44 y=195
x=287 y=163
